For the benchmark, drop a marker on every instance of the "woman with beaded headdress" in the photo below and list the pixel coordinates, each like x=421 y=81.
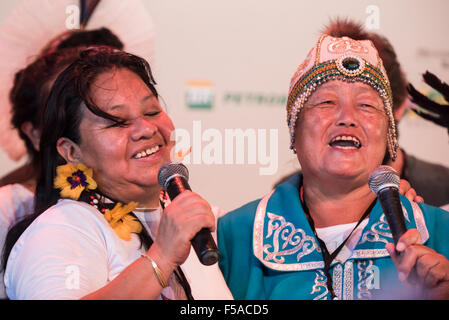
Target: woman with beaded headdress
x=322 y=234
x=98 y=231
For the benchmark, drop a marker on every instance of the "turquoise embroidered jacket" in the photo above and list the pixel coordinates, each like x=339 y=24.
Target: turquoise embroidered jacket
x=270 y=252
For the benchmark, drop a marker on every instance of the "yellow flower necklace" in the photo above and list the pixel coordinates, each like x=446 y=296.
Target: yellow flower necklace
x=76 y=183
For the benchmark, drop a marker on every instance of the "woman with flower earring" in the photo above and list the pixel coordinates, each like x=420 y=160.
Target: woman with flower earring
x=100 y=230
x=27 y=98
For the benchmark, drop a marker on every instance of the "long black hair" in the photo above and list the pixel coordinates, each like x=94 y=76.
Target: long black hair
x=31 y=89
x=32 y=84
x=62 y=117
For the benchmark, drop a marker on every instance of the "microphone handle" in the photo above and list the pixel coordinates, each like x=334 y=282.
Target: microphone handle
x=391 y=205
x=203 y=243
x=176 y=185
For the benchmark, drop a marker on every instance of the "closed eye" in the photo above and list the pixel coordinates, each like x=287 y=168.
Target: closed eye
x=119 y=124
x=369 y=106
x=325 y=102
x=152 y=114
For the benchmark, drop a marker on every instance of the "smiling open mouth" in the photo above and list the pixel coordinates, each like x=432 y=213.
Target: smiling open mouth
x=346 y=142
x=146 y=153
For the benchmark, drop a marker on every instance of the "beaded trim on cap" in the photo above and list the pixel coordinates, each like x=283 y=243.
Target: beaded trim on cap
x=347 y=67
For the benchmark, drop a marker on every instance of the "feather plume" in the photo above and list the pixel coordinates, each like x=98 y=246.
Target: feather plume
x=87 y=8
x=433 y=81
x=33 y=23
x=429 y=109
x=422 y=100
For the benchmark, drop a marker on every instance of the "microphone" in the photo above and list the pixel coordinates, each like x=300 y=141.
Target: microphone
x=173 y=177
x=384 y=182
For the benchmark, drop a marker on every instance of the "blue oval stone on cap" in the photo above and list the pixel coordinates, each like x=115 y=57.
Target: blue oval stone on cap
x=350 y=63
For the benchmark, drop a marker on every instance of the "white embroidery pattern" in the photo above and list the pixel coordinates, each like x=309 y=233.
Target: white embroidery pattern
x=420 y=222
x=378 y=232
x=342 y=45
x=287 y=235
x=369 y=253
x=320 y=282
x=366 y=277
x=258 y=240
x=405 y=213
x=287 y=240
x=348 y=281
x=337 y=280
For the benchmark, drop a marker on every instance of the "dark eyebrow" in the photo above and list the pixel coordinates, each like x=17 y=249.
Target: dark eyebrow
x=120 y=106
x=148 y=97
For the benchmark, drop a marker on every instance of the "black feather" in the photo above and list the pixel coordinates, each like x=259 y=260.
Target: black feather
x=433 y=81
x=430 y=117
x=438 y=114
x=421 y=100
x=87 y=8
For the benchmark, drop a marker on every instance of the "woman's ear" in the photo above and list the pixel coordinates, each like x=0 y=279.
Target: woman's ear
x=32 y=133
x=69 y=150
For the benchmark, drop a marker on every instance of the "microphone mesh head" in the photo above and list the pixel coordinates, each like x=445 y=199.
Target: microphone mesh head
x=383 y=177
x=170 y=170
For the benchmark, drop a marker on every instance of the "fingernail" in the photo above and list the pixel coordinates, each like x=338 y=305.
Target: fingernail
x=400 y=246
x=401 y=276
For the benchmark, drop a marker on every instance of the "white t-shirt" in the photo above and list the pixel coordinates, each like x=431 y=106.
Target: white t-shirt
x=70 y=251
x=333 y=236
x=16 y=202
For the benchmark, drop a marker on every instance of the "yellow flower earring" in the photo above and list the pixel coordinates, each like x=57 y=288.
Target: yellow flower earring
x=73 y=180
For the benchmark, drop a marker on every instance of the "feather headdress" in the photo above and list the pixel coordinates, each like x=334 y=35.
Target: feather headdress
x=34 y=23
x=429 y=109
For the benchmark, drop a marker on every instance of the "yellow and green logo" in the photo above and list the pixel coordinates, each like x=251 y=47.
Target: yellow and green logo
x=199 y=94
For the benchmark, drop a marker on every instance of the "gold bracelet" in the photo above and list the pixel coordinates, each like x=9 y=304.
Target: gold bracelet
x=159 y=275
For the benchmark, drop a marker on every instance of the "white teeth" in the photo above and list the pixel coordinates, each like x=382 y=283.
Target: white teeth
x=346 y=138
x=146 y=152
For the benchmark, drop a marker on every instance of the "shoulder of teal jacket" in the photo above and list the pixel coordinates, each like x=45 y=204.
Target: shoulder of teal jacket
x=436 y=223
x=434 y=214
x=285 y=196
x=234 y=233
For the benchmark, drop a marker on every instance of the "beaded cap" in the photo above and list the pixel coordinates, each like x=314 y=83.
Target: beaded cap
x=340 y=59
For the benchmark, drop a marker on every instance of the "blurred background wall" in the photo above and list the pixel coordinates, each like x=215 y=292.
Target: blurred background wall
x=226 y=65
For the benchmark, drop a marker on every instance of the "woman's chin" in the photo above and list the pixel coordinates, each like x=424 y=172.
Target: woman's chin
x=147 y=181
x=345 y=174
x=346 y=169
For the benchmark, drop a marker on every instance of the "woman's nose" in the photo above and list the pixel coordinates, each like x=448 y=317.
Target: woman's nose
x=346 y=115
x=143 y=129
